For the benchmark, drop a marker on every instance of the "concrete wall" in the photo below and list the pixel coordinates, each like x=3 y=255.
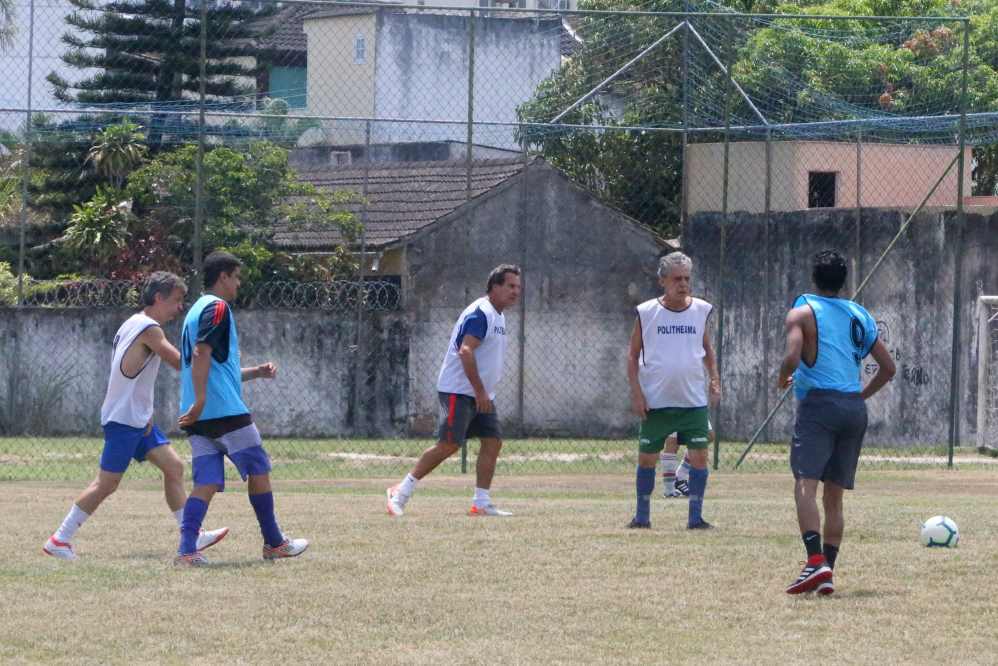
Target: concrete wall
x=585 y=268
x=54 y=366
x=422 y=72
x=893 y=175
x=911 y=296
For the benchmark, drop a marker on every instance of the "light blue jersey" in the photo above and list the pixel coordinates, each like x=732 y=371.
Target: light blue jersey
x=210 y=321
x=846 y=334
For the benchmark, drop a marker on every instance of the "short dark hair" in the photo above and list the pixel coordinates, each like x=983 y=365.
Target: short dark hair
x=830 y=270
x=162 y=283
x=217 y=263
x=498 y=275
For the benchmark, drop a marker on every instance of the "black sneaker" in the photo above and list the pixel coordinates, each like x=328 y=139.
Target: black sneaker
x=637 y=524
x=814 y=573
x=702 y=525
x=683 y=486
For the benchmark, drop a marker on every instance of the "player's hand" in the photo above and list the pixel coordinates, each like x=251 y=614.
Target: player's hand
x=715 y=392
x=484 y=404
x=191 y=416
x=639 y=406
x=148 y=429
x=784 y=383
x=266 y=371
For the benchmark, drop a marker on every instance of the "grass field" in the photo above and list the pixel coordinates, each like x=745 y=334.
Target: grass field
x=75 y=458
x=562 y=582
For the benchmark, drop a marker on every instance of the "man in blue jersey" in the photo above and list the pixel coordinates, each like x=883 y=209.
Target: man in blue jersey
x=215 y=417
x=831 y=335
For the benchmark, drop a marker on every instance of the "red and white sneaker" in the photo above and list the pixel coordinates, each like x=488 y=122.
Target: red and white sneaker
x=489 y=509
x=194 y=559
x=396 y=502
x=290 y=548
x=208 y=538
x=825 y=588
x=62 y=550
x=814 y=573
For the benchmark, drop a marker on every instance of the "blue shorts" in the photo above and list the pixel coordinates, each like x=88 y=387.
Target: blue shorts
x=243 y=447
x=123 y=443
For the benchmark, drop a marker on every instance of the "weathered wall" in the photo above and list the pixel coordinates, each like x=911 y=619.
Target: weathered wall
x=54 y=366
x=911 y=295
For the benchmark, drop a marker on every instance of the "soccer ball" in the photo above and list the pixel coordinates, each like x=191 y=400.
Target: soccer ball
x=940 y=531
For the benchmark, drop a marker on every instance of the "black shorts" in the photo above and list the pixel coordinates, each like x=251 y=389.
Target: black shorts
x=459 y=420
x=828 y=436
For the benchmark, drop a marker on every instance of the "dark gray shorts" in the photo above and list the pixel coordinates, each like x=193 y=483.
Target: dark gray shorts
x=459 y=419
x=828 y=437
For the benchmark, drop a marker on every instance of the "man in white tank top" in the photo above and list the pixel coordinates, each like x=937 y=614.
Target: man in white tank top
x=126 y=415
x=466 y=390
x=670 y=350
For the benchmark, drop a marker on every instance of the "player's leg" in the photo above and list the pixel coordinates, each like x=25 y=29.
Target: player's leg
x=683 y=473
x=693 y=431
x=486 y=428
x=120 y=445
x=810 y=450
x=164 y=457
x=455 y=416
x=835 y=522
x=670 y=463
x=208 y=470
x=651 y=440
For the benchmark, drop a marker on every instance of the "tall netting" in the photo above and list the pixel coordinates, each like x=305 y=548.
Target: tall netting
x=369 y=163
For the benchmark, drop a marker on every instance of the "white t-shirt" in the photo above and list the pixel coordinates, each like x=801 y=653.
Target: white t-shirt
x=129 y=400
x=670 y=370
x=482 y=321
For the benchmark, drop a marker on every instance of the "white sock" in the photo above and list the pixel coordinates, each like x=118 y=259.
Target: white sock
x=669 y=464
x=683 y=473
x=482 y=497
x=179 y=515
x=408 y=485
x=70 y=524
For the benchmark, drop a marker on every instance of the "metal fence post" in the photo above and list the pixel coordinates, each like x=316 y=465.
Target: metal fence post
x=857 y=261
x=26 y=162
x=684 y=194
x=360 y=339
x=767 y=303
x=468 y=155
x=961 y=219
x=523 y=295
x=199 y=161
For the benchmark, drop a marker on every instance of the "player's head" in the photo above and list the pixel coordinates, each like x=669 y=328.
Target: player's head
x=829 y=271
x=221 y=274
x=503 y=286
x=163 y=295
x=674 y=271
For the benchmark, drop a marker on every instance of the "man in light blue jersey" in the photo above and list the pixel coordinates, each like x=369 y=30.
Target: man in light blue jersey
x=215 y=417
x=831 y=335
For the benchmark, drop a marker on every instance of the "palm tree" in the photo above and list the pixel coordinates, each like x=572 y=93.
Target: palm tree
x=117 y=150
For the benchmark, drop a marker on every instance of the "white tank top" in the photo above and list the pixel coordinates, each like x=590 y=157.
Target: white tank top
x=670 y=370
x=129 y=400
x=482 y=321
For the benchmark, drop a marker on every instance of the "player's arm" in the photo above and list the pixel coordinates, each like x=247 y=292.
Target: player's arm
x=710 y=363
x=200 y=368
x=467 y=355
x=795 y=346
x=266 y=371
x=885 y=372
x=155 y=341
x=638 y=403
x=212 y=341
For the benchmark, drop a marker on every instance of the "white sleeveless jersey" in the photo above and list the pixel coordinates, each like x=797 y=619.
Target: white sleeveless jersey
x=482 y=321
x=670 y=370
x=129 y=400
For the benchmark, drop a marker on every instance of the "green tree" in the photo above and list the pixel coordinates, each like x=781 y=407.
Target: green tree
x=7 y=25
x=98 y=229
x=117 y=150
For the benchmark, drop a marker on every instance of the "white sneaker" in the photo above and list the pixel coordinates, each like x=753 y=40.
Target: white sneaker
x=290 y=548
x=489 y=509
x=194 y=560
x=207 y=539
x=396 y=502
x=59 y=549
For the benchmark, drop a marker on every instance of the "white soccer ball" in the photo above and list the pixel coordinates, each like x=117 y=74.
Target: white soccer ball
x=940 y=531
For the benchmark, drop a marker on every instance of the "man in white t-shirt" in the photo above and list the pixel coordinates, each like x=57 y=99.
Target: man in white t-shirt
x=668 y=353
x=466 y=386
x=126 y=415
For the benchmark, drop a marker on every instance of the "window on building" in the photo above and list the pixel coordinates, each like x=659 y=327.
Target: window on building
x=359 y=50
x=821 y=189
x=289 y=84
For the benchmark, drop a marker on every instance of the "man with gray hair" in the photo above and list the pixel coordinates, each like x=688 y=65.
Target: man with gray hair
x=126 y=415
x=665 y=367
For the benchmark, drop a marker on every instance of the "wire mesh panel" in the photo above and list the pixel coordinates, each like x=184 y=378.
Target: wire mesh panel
x=987 y=378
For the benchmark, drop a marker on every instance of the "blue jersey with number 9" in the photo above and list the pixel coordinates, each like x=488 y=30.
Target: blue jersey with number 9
x=846 y=334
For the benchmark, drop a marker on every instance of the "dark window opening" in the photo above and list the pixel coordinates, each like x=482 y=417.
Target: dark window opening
x=821 y=189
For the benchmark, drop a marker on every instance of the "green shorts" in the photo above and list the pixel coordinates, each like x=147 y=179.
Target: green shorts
x=691 y=425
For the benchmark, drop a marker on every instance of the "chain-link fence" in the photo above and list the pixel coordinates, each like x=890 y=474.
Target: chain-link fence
x=370 y=163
